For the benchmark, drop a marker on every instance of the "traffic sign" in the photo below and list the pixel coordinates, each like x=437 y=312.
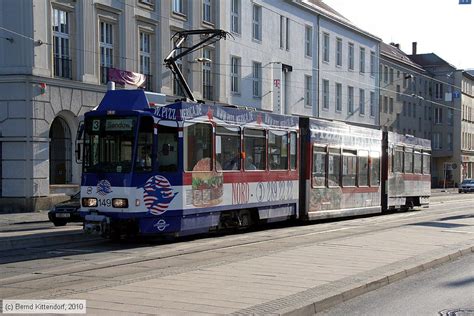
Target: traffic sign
x=464 y=1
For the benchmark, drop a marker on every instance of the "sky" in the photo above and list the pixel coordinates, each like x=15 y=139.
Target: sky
x=443 y=27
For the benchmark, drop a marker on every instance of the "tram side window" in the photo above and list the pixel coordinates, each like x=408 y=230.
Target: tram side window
x=398 y=160
x=417 y=161
x=426 y=162
x=254 y=145
x=319 y=166
x=334 y=167
x=143 y=161
x=277 y=150
x=374 y=169
x=408 y=160
x=363 y=175
x=167 y=150
x=197 y=147
x=228 y=148
x=349 y=168
x=293 y=150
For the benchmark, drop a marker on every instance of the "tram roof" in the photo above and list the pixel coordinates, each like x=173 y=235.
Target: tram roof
x=136 y=100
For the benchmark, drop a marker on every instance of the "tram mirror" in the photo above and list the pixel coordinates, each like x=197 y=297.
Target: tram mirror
x=78 y=152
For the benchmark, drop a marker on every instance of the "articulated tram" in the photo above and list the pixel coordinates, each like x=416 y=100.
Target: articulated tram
x=188 y=168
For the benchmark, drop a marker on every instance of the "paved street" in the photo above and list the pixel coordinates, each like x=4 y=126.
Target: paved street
x=287 y=269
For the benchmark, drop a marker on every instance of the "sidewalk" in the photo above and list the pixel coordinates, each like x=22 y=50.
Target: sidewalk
x=23 y=218
x=263 y=278
x=20 y=230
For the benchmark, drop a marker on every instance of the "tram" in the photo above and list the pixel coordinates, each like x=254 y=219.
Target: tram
x=188 y=168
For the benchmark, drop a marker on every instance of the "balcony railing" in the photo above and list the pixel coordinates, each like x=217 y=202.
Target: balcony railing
x=62 y=67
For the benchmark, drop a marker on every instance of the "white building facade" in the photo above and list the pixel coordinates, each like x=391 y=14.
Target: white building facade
x=55 y=56
x=348 y=72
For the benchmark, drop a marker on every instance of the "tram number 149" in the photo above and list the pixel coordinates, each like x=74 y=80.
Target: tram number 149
x=104 y=202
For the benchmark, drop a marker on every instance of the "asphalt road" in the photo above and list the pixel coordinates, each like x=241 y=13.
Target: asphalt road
x=81 y=267
x=446 y=288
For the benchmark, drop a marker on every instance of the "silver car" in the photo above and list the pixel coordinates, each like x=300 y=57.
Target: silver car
x=467 y=185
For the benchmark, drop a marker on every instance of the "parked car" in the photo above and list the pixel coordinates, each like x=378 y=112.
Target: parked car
x=467 y=185
x=67 y=211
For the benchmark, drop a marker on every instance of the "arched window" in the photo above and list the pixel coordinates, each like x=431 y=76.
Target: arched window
x=60 y=152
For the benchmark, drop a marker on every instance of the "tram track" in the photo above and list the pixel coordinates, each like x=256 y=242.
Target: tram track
x=226 y=245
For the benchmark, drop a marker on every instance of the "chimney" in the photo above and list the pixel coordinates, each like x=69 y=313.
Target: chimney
x=413 y=48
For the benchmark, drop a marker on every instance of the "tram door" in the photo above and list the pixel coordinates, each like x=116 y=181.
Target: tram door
x=60 y=152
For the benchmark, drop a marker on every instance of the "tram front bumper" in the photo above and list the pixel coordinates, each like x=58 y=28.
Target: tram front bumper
x=96 y=225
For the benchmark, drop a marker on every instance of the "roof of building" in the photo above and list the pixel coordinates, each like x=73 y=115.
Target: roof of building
x=429 y=60
x=395 y=53
x=322 y=8
x=469 y=73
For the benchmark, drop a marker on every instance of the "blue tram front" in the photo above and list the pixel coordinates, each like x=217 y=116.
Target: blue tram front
x=185 y=168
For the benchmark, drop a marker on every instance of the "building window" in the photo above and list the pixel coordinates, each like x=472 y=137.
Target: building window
x=207 y=75
x=438 y=115
x=362 y=60
x=390 y=105
x=235 y=75
x=385 y=74
x=287 y=34
x=436 y=141
x=338 y=52
x=308 y=95
x=325 y=47
x=235 y=16
x=398 y=93
x=438 y=91
x=177 y=6
x=257 y=23
x=106 y=50
x=207 y=11
x=351 y=56
x=61 y=31
x=372 y=103
x=308 y=44
x=325 y=94
x=391 y=75
x=350 y=100
x=373 y=64
x=338 y=97
x=450 y=117
x=385 y=104
x=257 y=79
x=145 y=59
x=362 y=101
x=282 y=26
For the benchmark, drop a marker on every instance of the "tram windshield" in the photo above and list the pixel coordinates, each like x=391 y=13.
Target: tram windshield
x=108 y=144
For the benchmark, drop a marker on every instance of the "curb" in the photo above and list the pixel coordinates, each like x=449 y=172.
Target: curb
x=359 y=287
x=48 y=239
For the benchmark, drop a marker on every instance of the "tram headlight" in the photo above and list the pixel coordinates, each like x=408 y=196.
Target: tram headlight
x=120 y=203
x=89 y=202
